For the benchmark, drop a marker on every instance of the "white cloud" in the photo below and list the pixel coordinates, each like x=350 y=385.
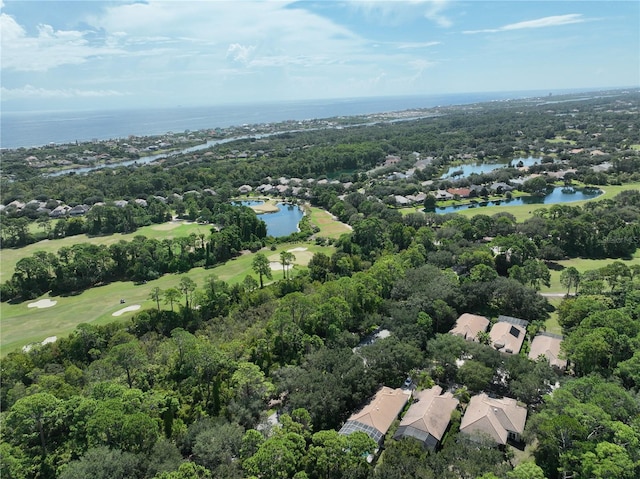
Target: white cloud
x=240 y=53
x=552 y=21
x=396 y=12
x=435 y=12
x=31 y=92
x=47 y=49
x=415 y=45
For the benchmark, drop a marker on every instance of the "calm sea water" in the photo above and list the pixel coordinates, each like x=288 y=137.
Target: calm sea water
x=25 y=129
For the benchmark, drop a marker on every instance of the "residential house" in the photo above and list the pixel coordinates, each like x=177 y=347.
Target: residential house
x=401 y=200
x=548 y=345
x=245 y=189
x=376 y=417
x=79 y=210
x=443 y=195
x=501 y=420
x=391 y=160
x=469 y=325
x=508 y=334
x=500 y=187
x=428 y=418
x=59 y=211
x=460 y=192
x=264 y=188
x=419 y=198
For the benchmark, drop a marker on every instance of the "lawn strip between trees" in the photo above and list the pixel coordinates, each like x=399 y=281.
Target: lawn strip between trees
x=22 y=325
x=522 y=212
x=169 y=230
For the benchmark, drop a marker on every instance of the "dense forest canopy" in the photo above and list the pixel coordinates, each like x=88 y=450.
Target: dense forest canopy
x=254 y=379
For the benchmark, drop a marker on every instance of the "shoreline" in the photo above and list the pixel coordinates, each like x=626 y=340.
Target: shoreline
x=227 y=118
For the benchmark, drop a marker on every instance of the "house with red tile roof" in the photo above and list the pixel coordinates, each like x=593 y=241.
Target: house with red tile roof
x=460 y=192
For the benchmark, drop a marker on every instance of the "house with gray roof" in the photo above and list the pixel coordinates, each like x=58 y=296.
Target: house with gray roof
x=501 y=187
x=79 y=210
x=428 y=417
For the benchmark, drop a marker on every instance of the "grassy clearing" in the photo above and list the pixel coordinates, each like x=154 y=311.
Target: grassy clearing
x=552 y=324
x=172 y=229
x=329 y=226
x=522 y=212
x=582 y=265
x=22 y=325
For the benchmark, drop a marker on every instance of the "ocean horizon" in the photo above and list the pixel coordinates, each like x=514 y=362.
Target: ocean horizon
x=33 y=128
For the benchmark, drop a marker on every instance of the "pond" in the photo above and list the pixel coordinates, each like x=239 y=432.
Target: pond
x=249 y=202
x=280 y=223
x=560 y=194
x=480 y=167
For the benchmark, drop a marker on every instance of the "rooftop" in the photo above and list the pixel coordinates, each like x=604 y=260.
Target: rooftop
x=429 y=415
x=376 y=417
x=493 y=417
x=469 y=325
x=548 y=345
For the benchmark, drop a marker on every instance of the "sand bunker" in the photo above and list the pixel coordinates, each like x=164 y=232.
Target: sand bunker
x=43 y=303
x=277 y=266
x=294 y=250
x=28 y=347
x=133 y=307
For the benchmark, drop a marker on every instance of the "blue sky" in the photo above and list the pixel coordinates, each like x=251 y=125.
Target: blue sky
x=114 y=54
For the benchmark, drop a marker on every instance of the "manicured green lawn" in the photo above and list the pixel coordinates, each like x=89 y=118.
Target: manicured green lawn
x=522 y=212
x=582 y=265
x=329 y=227
x=552 y=324
x=22 y=325
x=172 y=229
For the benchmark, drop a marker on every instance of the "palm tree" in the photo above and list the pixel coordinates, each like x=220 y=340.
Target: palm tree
x=286 y=258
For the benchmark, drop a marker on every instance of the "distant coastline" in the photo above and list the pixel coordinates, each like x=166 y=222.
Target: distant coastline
x=32 y=129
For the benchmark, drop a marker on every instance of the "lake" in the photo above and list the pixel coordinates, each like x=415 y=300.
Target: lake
x=481 y=167
x=560 y=194
x=282 y=222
